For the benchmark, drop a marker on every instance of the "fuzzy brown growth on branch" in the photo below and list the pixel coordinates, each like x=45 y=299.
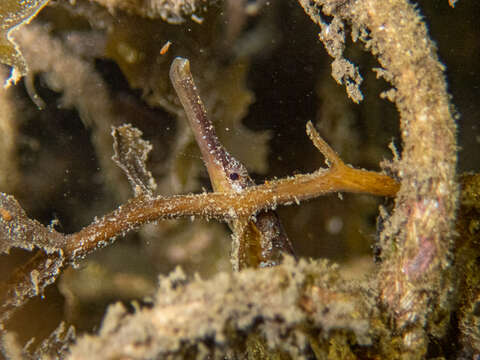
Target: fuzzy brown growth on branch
x=226 y=206
x=415 y=273
x=131 y=154
x=144 y=208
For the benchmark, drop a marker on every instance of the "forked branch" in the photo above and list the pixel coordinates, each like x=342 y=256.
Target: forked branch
x=226 y=206
x=331 y=157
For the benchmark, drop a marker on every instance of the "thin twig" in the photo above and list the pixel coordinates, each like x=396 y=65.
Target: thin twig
x=331 y=157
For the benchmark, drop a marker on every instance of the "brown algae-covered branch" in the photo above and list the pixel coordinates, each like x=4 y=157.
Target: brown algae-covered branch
x=416 y=241
x=222 y=206
x=228 y=206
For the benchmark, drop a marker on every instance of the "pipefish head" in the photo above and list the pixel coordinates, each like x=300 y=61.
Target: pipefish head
x=227 y=174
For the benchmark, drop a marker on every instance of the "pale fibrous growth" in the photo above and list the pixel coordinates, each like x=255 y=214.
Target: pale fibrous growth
x=159 y=125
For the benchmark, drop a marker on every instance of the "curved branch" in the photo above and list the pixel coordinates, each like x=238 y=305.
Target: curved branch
x=416 y=241
x=224 y=206
x=227 y=206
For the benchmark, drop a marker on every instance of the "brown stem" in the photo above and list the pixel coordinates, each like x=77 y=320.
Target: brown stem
x=227 y=206
x=221 y=206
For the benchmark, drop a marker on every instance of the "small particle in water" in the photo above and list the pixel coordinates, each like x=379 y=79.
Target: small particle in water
x=165 y=47
x=334 y=225
x=197 y=19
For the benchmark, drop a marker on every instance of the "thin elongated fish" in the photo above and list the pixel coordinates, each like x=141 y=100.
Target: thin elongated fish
x=260 y=241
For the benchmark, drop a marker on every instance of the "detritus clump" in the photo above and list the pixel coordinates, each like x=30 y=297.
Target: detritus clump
x=333 y=37
x=131 y=154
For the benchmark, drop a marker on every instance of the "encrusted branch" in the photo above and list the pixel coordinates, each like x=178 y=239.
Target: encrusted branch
x=218 y=205
x=416 y=242
x=226 y=206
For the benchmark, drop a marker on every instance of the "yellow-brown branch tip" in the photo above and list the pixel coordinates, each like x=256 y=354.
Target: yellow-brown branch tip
x=331 y=157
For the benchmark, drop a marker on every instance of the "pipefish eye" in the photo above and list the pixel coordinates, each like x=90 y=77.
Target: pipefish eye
x=234 y=176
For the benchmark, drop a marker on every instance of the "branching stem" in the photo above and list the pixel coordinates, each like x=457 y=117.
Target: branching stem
x=226 y=206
